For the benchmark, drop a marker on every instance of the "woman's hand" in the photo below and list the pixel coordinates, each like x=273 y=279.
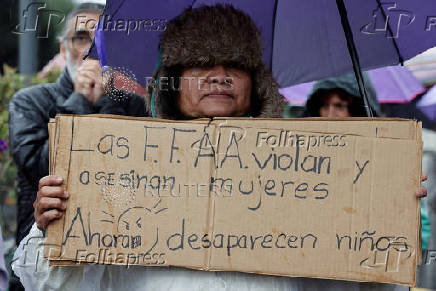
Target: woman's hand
x=422 y=191
x=50 y=202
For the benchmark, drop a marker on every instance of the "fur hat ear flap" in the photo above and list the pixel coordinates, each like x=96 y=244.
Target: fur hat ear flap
x=267 y=91
x=159 y=101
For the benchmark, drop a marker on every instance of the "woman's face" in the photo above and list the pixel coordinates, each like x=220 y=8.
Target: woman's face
x=334 y=107
x=214 y=92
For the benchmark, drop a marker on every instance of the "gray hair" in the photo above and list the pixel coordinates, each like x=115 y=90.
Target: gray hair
x=82 y=8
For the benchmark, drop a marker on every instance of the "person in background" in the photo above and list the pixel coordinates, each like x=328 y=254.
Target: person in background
x=339 y=97
x=78 y=90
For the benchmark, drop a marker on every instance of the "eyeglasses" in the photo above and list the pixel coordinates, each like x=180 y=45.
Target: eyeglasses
x=80 y=42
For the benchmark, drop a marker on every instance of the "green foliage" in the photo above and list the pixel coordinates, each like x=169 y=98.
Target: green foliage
x=11 y=82
x=48 y=47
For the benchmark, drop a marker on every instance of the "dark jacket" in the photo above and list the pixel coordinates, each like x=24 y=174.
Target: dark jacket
x=348 y=84
x=29 y=113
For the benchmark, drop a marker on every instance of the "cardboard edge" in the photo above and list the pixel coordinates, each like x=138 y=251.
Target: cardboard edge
x=51 y=139
x=419 y=153
x=321 y=119
x=64 y=129
x=69 y=263
x=207 y=120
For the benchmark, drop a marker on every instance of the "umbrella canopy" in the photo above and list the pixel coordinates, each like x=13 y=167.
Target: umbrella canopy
x=393 y=84
x=303 y=40
x=423 y=67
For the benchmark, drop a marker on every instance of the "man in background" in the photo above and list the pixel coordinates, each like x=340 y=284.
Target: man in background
x=79 y=90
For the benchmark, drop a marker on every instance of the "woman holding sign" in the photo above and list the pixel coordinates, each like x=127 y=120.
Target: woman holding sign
x=210 y=66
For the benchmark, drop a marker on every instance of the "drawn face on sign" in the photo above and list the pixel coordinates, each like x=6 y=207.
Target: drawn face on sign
x=132 y=219
x=136 y=226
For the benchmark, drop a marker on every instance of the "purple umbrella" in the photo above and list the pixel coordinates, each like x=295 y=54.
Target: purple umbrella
x=423 y=66
x=303 y=40
x=392 y=84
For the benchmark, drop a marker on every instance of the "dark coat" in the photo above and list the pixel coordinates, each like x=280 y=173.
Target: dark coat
x=29 y=113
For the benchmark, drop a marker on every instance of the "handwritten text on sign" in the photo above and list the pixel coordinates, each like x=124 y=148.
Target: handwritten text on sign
x=224 y=195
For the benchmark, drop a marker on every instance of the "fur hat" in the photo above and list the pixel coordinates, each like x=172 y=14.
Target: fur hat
x=206 y=37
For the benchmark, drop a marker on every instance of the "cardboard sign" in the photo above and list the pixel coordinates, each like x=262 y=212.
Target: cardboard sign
x=290 y=197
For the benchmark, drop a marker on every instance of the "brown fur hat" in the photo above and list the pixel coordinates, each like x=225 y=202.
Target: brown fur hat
x=210 y=36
